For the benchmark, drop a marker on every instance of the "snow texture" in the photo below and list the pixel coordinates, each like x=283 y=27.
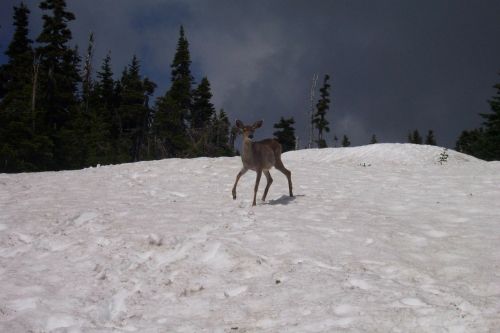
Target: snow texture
x=379 y=238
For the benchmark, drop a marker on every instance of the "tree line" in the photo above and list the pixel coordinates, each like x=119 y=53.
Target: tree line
x=482 y=142
x=56 y=113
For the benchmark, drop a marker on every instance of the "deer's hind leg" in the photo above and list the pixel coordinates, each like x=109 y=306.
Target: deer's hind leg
x=269 y=182
x=279 y=165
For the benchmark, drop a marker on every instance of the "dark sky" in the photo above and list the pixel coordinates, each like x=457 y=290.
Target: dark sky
x=395 y=65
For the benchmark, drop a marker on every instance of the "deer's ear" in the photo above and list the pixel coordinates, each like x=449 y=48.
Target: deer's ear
x=239 y=124
x=258 y=124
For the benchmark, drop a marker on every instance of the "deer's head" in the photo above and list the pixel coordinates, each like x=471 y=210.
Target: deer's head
x=248 y=130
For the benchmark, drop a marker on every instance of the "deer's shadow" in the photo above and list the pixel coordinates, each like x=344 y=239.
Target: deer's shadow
x=283 y=200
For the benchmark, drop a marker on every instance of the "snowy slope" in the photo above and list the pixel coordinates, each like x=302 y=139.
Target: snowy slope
x=379 y=238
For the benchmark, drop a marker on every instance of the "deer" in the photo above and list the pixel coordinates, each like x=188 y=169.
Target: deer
x=260 y=157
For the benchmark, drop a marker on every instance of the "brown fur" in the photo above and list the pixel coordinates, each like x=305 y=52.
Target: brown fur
x=260 y=157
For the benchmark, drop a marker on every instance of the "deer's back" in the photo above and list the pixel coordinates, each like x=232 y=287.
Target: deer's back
x=272 y=152
x=273 y=144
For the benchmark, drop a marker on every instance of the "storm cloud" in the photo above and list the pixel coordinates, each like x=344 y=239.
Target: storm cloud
x=394 y=65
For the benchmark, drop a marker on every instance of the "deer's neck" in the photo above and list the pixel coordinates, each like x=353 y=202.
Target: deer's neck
x=247 y=152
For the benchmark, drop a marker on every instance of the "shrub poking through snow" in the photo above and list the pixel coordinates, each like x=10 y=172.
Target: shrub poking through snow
x=443 y=157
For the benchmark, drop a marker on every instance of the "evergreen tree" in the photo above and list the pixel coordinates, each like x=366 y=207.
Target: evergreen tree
x=59 y=77
x=134 y=113
x=106 y=98
x=173 y=109
x=471 y=142
x=285 y=133
x=101 y=123
x=345 y=141
x=221 y=135
x=491 y=140
x=18 y=142
x=373 y=139
x=430 y=139
x=17 y=72
x=415 y=137
x=202 y=109
x=203 y=120
x=182 y=79
x=319 y=118
x=14 y=93
x=443 y=157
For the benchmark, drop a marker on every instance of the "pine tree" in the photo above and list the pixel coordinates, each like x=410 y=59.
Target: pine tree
x=14 y=108
x=319 y=119
x=182 y=79
x=202 y=109
x=59 y=78
x=21 y=147
x=20 y=53
x=285 y=133
x=101 y=121
x=105 y=94
x=202 y=119
x=92 y=116
x=373 y=139
x=173 y=109
x=491 y=140
x=415 y=137
x=134 y=113
x=345 y=141
x=443 y=157
x=430 y=139
x=221 y=135
x=471 y=142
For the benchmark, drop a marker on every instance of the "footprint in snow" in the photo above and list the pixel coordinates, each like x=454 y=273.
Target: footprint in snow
x=178 y=194
x=60 y=322
x=344 y=309
x=24 y=304
x=235 y=291
x=361 y=284
x=155 y=239
x=211 y=251
x=410 y=301
x=84 y=218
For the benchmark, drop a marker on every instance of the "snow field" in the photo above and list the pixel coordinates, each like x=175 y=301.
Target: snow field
x=378 y=238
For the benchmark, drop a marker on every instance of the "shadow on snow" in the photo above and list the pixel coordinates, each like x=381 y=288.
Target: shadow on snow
x=283 y=200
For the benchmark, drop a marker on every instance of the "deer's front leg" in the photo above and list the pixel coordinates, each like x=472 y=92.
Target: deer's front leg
x=241 y=173
x=259 y=174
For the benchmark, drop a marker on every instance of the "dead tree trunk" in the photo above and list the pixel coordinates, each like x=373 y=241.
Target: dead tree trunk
x=311 y=112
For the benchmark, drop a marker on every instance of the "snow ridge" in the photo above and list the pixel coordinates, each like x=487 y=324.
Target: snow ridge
x=379 y=238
